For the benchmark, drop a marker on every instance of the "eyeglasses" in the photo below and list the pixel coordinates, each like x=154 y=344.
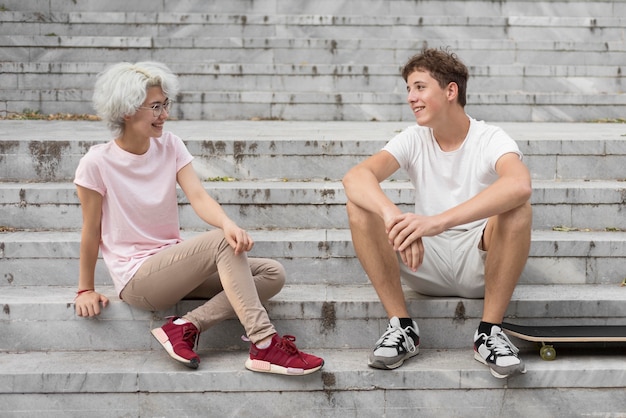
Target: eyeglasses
x=158 y=108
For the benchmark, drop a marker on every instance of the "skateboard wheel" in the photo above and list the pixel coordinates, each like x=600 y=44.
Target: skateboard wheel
x=547 y=353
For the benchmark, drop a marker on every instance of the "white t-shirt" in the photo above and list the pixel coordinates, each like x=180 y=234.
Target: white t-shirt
x=443 y=180
x=139 y=205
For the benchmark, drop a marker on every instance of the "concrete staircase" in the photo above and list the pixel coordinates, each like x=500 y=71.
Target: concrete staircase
x=529 y=60
x=281 y=180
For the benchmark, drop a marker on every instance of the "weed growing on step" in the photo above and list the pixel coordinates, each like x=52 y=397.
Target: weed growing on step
x=30 y=114
x=562 y=228
x=223 y=178
x=611 y=120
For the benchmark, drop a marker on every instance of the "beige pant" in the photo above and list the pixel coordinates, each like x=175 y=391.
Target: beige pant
x=206 y=267
x=454 y=265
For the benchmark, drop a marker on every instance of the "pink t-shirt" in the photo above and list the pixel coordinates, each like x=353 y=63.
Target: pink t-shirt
x=139 y=205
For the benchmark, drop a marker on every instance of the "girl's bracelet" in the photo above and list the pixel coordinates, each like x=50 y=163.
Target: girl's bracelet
x=80 y=292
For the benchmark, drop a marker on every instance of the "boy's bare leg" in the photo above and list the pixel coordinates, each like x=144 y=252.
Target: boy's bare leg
x=377 y=258
x=507 y=241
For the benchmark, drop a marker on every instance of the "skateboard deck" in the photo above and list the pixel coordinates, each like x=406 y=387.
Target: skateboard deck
x=565 y=334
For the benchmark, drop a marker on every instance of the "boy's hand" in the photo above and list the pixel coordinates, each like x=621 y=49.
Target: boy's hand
x=413 y=255
x=405 y=232
x=406 y=228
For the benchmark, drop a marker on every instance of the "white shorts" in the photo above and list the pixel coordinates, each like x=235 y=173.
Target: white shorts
x=454 y=265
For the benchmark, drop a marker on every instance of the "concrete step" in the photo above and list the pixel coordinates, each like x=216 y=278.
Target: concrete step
x=301 y=25
x=42 y=318
x=510 y=35
x=435 y=383
x=366 y=106
x=244 y=82
x=26 y=71
x=271 y=50
x=471 y=8
x=315 y=256
x=313 y=204
x=345 y=106
x=249 y=150
x=331 y=78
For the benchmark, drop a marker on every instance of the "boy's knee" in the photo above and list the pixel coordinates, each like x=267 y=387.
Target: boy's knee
x=361 y=218
x=523 y=217
x=353 y=211
x=518 y=219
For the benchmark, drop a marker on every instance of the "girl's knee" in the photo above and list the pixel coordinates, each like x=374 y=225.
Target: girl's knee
x=270 y=278
x=211 y=240
x=277 y=272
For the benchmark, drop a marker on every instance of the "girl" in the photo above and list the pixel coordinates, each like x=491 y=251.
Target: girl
x=127 y=191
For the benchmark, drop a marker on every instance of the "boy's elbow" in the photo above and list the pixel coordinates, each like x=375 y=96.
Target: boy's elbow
x=529 y=193
x=525 y=192
x=348 y=179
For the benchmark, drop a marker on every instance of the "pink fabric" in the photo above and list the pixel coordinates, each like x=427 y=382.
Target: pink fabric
x=140 y=204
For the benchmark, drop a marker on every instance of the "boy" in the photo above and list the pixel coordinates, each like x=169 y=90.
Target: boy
x=470 y=233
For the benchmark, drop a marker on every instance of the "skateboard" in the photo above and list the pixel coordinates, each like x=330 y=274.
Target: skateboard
x=565 y=334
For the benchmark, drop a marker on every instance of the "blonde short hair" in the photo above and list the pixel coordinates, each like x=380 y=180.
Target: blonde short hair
x=122 y=88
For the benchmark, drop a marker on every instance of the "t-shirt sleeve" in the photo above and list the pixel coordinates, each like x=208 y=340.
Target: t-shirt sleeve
x=500 y=144
x=399 y=147
x=183 y=156
x=88 y=174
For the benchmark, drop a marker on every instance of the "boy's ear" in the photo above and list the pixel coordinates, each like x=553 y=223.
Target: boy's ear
x=452 y=91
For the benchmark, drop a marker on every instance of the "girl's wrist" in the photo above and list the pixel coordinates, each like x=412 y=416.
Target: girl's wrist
x=80 y=292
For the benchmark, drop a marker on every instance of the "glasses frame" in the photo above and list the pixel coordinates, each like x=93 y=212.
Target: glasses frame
x=158 y=108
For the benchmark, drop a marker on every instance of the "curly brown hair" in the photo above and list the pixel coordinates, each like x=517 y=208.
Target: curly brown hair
x=443 y=66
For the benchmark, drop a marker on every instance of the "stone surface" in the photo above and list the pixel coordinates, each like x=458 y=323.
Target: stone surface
x=54 y=362
x=338 y=60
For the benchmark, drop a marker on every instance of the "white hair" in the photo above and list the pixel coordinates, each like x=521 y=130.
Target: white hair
x=122 y=88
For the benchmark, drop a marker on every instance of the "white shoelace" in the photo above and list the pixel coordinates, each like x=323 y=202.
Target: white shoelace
x=392 y=336
x=501 y=344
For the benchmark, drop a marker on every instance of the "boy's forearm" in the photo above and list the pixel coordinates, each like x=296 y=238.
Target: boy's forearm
x=363 y=189
x=503 y=195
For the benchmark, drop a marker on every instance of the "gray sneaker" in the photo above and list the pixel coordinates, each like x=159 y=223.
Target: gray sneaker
x=394 y=346
x=498 y=352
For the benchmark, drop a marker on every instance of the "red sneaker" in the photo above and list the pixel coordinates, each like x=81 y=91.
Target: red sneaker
x=282 y=357
x=178 y=341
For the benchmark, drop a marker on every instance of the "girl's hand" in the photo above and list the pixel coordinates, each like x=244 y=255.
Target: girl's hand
x=88 y=303
x=238 y=238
